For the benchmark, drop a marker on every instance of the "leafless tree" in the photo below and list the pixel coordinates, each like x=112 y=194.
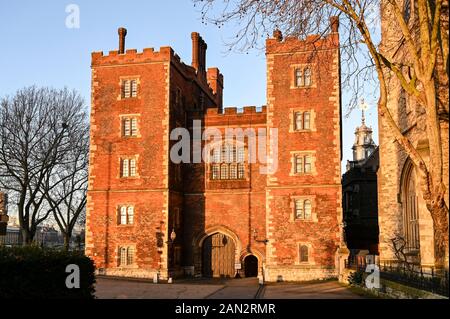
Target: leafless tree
x=67 y=201
x=37 y=129
x=422 y=69
x=398 y=244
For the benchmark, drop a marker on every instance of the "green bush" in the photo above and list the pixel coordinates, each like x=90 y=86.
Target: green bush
x=356 y=278
x=32 y=272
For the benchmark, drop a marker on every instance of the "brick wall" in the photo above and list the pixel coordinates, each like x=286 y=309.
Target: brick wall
x=322 y=234
x=172 y=94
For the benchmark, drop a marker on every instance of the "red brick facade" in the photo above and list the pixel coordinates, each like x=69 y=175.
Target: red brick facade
x=258 y=212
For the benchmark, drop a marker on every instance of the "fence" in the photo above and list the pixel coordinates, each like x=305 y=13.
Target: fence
x=412 y=275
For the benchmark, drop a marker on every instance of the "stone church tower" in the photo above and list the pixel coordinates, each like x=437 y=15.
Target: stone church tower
x=364 y=145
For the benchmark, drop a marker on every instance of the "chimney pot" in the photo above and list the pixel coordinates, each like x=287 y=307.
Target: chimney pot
x=195 y=50
x=122 y=34
x=334 y=22
x=278 y=35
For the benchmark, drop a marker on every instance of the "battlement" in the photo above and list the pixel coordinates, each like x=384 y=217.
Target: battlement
x=246 y=116
x=311 y=43
x=278 y=44
x=239 y=111
x=165 y=53
x=210 y=80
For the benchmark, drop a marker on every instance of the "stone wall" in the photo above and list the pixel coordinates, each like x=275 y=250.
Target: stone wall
x=410 y=117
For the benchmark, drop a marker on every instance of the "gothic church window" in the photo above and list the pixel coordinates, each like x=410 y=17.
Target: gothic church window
x=410 y=209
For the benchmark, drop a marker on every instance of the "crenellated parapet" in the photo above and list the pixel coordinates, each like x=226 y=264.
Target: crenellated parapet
x=279 y=44
x=233 y=116
x=132 y=56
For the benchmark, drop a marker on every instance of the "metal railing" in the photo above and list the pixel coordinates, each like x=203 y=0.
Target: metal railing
x=412 y=275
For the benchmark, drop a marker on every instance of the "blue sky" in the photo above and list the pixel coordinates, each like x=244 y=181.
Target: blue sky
x=37 y=48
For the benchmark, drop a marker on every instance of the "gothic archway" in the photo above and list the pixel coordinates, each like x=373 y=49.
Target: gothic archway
x=410 y=209
x=218 y=254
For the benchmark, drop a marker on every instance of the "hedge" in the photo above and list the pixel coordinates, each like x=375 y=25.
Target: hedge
x=35 y=273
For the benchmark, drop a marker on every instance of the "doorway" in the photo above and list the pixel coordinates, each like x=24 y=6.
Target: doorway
x=251 y=266
x=218 y=256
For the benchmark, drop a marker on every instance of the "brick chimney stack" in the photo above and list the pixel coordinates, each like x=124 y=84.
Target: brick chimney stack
x=122 y=34
x=278 y=35
x=334 y=22
x=199 y=53
x=215 y=82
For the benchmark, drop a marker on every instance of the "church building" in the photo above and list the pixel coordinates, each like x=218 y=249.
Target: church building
x=359 y=187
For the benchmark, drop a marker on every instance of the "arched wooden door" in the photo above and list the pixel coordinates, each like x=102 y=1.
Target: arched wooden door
x=218 y=256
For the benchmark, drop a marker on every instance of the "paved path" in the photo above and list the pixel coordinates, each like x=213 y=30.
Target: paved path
x=316 y=290
x=237 y=289
x=248 y=288
x=131 y=289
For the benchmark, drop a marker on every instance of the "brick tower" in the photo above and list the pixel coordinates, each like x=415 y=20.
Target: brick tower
x=148 y=214
x=303 y=197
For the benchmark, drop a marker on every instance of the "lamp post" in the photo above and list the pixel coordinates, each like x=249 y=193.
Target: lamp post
x=171 y=241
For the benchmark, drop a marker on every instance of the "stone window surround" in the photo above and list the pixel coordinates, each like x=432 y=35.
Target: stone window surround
x=312 y=120
x=138 y=84
x=117 y=255
x=138 y=122
x=118 y=210
x=303 y=66
x=128 y=157
x=310 y=254
x=312 y=198
x=313 y=163
x=209 y=165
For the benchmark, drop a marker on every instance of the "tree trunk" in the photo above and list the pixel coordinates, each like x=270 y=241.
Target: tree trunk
x=66 y=241
x=439 y=214
x=435 y=192
x=27 y=237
